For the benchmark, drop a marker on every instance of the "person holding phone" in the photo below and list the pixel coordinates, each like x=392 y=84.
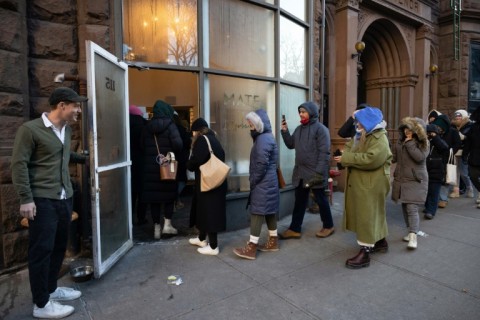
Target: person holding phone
x=311 y=141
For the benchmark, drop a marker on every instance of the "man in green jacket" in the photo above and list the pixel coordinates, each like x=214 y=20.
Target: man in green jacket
x=40 y=158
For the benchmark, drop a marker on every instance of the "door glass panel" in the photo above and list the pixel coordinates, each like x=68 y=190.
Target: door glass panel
x=290 y=99
x=292 y=51
x=114 y=224
x=241 y=37
x=295 y=7
x=160 y=31
x=231 y=99
x=111 y=133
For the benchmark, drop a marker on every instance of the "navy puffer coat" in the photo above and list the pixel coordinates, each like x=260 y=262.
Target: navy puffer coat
x=312 y=148
x=264 y=193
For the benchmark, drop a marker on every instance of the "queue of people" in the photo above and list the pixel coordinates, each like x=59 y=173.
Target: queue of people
x=41 y=155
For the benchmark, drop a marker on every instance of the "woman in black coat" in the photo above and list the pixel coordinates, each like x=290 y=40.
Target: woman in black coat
x=208 y=211
x=158 y=192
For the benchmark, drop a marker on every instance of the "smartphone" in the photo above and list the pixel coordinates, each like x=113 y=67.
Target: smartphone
x=283 y=118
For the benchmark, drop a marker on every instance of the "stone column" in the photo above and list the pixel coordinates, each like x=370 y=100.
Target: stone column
x=422 y=64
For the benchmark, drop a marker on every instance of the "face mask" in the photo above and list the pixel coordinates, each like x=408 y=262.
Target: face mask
x=304 y=121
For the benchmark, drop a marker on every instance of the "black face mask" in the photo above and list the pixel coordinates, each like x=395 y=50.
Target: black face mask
x=254 y=134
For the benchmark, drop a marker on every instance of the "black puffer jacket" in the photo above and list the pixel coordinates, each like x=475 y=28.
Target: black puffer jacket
x=436 y=163
x=471 y=149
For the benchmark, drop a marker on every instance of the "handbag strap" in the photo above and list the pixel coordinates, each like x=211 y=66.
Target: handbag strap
x=209 y=146
x=451 y=157
x=155 y=137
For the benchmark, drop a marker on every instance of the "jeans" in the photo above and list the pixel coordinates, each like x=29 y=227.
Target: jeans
x=48 y=238
x=462 y=172
x=433 y=196
x=301 y=201
x=444 y=189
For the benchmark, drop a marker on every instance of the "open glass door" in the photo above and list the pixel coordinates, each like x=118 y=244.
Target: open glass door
x=107 y=81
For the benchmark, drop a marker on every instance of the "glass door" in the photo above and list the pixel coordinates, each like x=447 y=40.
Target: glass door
x=107 y=80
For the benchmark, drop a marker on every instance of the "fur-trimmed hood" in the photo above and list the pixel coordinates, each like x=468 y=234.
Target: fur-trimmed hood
x=418 y=127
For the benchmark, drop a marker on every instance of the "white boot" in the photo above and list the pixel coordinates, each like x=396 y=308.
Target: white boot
x=412 y=241
x=168 y=228
x=156 y=231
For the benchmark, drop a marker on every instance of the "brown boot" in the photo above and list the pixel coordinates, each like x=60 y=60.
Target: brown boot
x=248 y=252
x=270 y=245
x=380 y=246
x=361 y=260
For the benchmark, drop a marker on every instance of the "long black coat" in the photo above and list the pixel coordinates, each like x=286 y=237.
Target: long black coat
x=208 y=212
x=155 y=190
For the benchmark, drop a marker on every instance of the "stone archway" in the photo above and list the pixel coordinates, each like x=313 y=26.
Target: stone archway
x=386 y=80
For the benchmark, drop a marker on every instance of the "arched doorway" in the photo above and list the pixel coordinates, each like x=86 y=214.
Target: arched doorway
x=386 y=79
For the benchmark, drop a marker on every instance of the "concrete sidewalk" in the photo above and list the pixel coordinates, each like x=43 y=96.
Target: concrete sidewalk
x=306 y=279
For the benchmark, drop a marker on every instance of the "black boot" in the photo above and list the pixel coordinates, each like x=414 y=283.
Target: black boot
x=380 y=246
x=361 y=260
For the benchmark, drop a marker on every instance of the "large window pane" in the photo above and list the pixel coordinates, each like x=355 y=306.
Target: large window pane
x=241 y=37
x=474 y=79
x=292 y=51
x=230 y=100
x=295 y=7
x=290 y=99
x=160 y=31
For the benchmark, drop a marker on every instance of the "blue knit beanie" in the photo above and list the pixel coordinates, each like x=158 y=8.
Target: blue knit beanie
x=369 y=117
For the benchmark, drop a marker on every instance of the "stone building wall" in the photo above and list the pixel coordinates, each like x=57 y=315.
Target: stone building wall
x=38 y=40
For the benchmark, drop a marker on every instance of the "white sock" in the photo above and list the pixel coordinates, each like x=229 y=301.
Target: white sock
x=254 y=239
x=273 y=233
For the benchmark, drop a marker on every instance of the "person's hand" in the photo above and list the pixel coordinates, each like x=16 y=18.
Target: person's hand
x=28 y=210
x=284 y=126
x=338 y=158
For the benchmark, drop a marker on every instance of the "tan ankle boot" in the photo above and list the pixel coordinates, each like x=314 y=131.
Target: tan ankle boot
x=248 y=252
x=270 y=245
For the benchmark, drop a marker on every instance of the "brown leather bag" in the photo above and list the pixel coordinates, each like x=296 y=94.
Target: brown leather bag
x=168 y=164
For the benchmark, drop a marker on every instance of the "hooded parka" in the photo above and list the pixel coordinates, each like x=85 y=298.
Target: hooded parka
x=264 y=193
x=410 y=179
x=312 y=149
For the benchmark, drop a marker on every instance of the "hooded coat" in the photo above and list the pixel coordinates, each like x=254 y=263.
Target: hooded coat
x=162 y=128
x=367 y=185
x=209 y=209
x=312 y=149
x=410 y=179
x=264 y=192
x=471 y=150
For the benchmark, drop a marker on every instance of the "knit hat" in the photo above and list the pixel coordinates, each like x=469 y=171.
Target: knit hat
x=369 y=117
x=432 y=128
x=161 y=108
x=462 y=113
x=134 y=110
x=66 y=95
x=198 y=124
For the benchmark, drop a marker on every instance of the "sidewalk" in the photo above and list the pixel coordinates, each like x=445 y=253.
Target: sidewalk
x=306 y=279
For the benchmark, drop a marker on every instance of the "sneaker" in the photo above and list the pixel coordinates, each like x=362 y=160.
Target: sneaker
x=157 y=231
x=478 y=199
x=428 y=216
x=455 y=193
x=207 y=250
x=197 y=242
x=470 y=192
x=169 y=229
x=412 y=241
x=324 y=232
x=52 y=310
x=290 y=234
x=65 y=294
x=406 y=238
x=442 y=204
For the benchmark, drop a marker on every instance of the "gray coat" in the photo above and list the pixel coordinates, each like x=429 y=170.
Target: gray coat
x=312 y=148
x=410 y=184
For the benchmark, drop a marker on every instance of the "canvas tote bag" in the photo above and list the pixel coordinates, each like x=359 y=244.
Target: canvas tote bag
x=451 y=177
x=213 y=172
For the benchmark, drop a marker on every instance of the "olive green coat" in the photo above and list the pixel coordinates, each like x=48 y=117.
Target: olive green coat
x=367 y=186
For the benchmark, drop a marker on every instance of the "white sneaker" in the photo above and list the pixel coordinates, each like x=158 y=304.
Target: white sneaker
x=157 y=231
x=168 y=229
x=470 y=193
x=196 y=242
x=406 y=238
x=207 y=250
x=65 y=294
x=52 y=310
x=412 y=241
x=478 y=200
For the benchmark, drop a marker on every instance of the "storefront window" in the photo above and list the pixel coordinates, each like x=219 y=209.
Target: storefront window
x=160 y=31
x=230 y=100
x=292 y=51
x=474 y=81
x=295 y=7
x=241 y=37
x=290 y=99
